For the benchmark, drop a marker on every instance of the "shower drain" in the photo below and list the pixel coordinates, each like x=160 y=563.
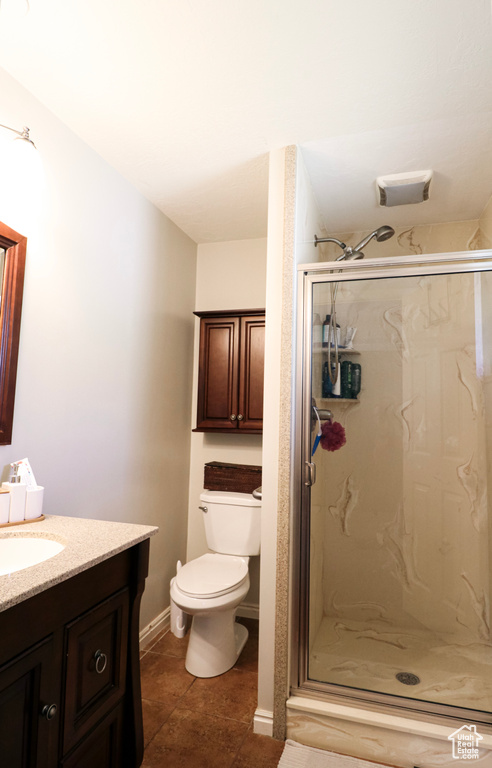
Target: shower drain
x=407 y=678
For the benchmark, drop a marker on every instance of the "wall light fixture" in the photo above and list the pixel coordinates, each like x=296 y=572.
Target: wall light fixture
x=24 y=134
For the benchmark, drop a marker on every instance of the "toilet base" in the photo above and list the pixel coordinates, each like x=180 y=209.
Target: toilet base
x=215 y=643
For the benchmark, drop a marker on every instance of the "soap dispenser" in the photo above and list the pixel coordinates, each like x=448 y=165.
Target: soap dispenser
x=18 y=493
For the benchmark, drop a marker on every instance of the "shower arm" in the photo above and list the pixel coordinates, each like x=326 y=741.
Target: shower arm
x=328 y=240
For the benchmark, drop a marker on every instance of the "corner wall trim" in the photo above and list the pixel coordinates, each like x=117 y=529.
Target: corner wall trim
x=263 y=722
x=159 y=624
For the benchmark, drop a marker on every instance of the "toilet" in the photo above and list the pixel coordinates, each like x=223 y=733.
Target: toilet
x=211 y=587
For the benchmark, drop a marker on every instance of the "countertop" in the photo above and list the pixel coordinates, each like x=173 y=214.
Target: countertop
x=87 y=542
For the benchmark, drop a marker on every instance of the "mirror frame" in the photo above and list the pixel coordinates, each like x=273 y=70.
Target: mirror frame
x=12 y=289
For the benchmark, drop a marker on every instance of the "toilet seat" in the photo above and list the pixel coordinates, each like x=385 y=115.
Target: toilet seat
x=212 y=575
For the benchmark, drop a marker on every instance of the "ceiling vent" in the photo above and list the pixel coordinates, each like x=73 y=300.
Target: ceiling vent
x=403 y=188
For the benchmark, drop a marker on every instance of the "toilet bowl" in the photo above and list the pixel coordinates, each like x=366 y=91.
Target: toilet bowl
x=215 y=639
x=211 y=587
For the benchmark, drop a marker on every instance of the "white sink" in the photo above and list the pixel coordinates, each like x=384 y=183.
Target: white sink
x=18 y=552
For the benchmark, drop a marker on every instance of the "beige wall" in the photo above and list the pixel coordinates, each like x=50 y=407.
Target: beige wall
x=105 y=366
x=230 y=275
x=485 y=223
x=416 y=240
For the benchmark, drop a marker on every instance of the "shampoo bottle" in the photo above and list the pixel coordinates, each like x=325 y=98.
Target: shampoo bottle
x=18 y=493
x=328 y=333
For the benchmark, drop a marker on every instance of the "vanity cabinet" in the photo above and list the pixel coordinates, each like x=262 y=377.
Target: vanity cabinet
x=69 y=671
x=230 y=373
x=27 y=737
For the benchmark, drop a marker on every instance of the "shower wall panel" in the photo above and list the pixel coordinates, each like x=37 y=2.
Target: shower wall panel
x=444 y=546
x=402 y=578
x=359 y=486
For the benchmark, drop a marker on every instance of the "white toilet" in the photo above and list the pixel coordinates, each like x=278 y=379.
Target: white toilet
x=211 y=587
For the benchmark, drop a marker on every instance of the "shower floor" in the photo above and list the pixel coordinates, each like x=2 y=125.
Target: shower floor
x=368 y=655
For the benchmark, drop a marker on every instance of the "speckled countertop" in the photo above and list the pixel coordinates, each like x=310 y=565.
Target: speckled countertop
x=87 y=542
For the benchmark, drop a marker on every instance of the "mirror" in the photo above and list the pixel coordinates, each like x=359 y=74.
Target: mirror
x=12 y=267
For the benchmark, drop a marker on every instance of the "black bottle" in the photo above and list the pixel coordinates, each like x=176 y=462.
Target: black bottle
x=326 y=332
x=356 y=379
x=326 y=386
x=346 y=383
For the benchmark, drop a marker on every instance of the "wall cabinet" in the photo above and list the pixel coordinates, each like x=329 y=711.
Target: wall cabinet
x=69 y=671
x=230 y=376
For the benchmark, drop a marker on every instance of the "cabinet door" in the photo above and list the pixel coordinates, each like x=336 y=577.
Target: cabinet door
x=102 y=747
x=96 y=647
x=29 y=686
x=251 y=367
x=217 y=406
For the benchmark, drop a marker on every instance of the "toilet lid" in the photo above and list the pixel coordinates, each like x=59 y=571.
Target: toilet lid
x=212 y=575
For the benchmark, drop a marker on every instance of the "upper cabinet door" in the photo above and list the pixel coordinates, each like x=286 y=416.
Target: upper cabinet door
x=230 y=378
x=251 y=366
x=218 y=373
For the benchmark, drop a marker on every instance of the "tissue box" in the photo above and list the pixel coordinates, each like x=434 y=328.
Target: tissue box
x=235 y=478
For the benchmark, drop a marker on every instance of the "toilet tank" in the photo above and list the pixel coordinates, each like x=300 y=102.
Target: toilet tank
x=232 y=522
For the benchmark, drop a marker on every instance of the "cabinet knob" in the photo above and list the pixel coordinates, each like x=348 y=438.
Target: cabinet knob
x=49 y=711
x=233 y=417
x=240 y=417
x=101 y=661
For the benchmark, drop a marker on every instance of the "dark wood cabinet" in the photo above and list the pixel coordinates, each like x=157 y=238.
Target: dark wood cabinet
x=96 y=645
x=102 y=748
x=230 y=376
x=69 y=671
x=29 y=702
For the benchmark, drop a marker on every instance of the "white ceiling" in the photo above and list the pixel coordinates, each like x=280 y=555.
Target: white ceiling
x=186 y=98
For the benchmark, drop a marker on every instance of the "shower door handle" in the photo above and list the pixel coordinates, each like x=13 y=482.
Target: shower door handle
x=310 y=473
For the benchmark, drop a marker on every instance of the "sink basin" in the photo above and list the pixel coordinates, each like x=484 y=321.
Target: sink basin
x=18 y=552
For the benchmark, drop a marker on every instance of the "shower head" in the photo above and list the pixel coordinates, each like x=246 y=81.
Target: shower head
x=384 y=233
x=381 y=234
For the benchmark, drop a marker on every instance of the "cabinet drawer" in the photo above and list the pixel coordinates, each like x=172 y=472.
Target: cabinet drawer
x=96 y=655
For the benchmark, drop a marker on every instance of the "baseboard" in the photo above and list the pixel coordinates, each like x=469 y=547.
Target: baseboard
x=263 y=722
x=248 y=611
x=159 y=624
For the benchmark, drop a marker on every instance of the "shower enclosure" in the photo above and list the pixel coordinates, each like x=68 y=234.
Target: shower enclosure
x=395 y=525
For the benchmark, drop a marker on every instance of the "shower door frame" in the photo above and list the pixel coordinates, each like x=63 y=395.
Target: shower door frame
x=308 y=276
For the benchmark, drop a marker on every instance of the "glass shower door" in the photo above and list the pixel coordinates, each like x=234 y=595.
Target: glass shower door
x=398 y=576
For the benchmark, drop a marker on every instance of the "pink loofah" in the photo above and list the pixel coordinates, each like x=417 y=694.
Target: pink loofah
x=332 y=436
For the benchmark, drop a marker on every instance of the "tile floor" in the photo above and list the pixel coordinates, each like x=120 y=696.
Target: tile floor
x=202 y=723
